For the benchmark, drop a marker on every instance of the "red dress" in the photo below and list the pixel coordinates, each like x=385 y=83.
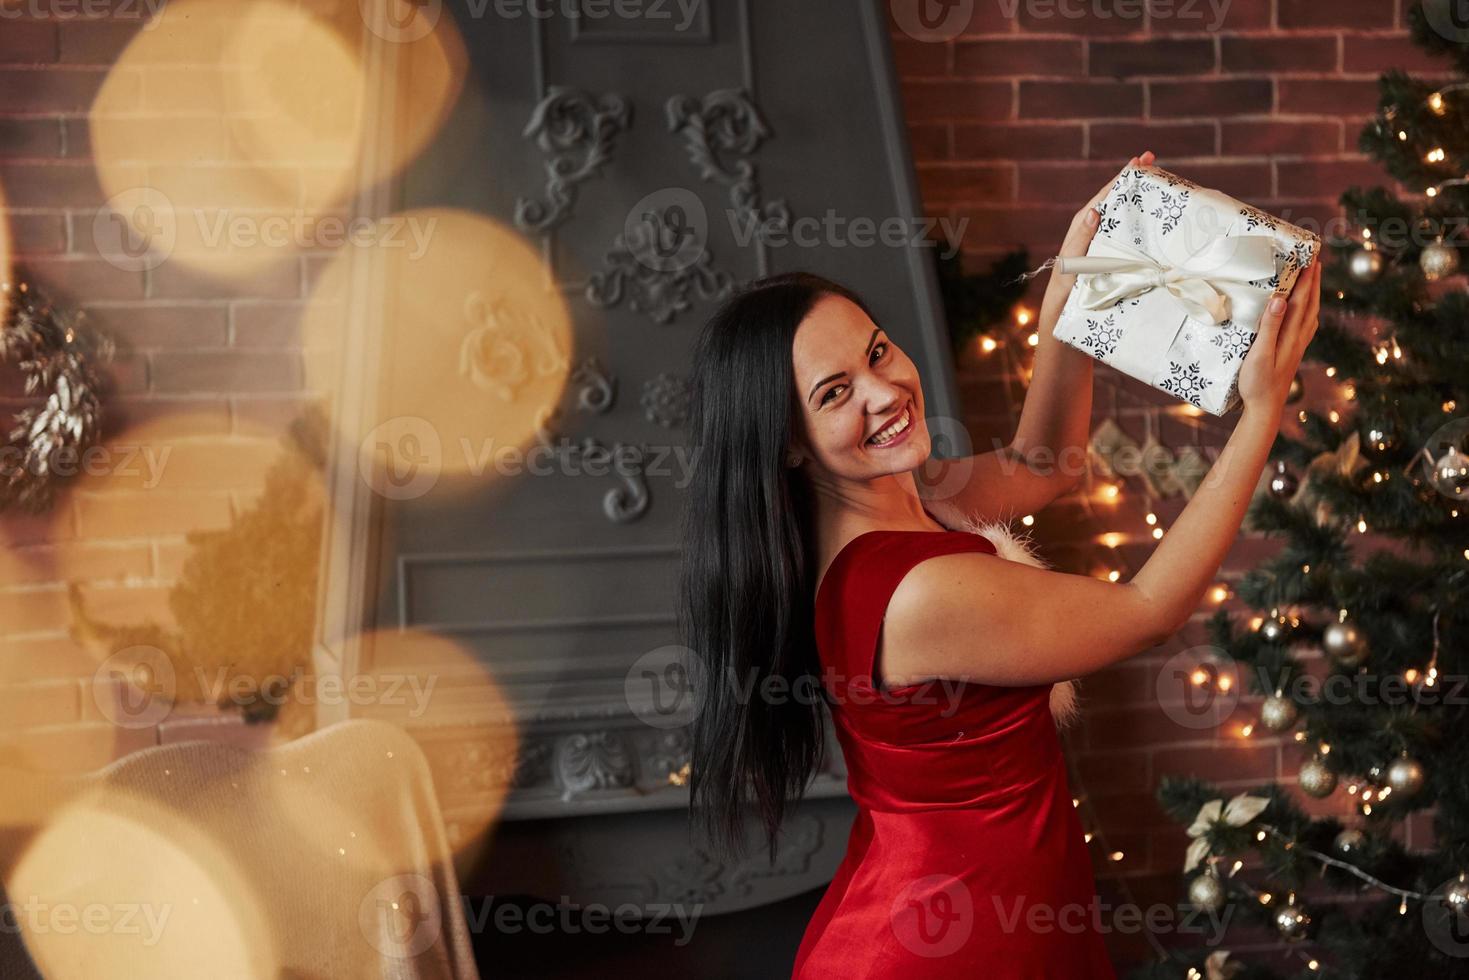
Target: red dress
x=967 y=858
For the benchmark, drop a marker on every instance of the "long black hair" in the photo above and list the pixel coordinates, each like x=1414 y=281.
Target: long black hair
x=745 y=604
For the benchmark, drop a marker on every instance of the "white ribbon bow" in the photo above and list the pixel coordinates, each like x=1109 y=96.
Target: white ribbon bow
x=1240 y=811
x=1112 y=272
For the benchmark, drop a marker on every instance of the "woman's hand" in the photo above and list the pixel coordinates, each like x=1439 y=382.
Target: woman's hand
x=1270 y=366
x=1078 y=239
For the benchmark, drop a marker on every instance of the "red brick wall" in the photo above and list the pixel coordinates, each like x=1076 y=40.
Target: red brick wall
x=209 y=368
x=1015 y=122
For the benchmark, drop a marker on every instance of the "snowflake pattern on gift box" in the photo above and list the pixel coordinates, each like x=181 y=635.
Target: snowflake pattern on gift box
x=1255 y=218
x=1282 y=259
x=1170 y=210
x=1101 y=338
x=1232 y=339
x=1173 y=180
x=1185 y=381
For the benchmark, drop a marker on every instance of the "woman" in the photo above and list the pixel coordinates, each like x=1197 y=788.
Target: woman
x=818 y=571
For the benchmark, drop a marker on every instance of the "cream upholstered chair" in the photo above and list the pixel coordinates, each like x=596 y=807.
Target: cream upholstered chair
x=321 y=858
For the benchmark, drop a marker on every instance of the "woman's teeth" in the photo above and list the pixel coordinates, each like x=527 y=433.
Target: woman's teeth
x=886 y=435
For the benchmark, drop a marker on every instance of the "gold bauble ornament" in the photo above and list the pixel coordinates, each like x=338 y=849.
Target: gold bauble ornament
x=1438 y=260
x=1278 y=713
x=1405 y=775
x=1317 y=780
x=1345 y=643
x=1206 y=892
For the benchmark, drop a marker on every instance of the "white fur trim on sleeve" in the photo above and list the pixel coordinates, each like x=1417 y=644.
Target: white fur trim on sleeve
x=1065 y=695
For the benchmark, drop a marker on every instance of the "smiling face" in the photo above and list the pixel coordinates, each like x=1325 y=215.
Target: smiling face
x=853 y=384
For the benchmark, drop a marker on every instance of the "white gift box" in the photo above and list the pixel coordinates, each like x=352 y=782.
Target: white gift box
x=1173 y=286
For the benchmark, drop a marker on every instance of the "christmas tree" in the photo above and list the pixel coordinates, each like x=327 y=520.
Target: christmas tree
x=1357 y=632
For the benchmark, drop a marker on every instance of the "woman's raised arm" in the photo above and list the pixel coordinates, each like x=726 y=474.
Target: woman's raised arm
x=978 y=617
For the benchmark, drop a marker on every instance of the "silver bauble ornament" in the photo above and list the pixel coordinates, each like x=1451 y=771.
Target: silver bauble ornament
x=1317 y=780
x=1456 y=897
x=1438 y=260
x=1206 y=892
x=1349 y=841
x=1283 y=483
x=1450 y=474
x=1405 y=775
x=1278 y=713
x=1292 y=922
x=1345 y=643
x=1365 y=264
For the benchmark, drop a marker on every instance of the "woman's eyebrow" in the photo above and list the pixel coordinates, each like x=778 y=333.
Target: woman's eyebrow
x=870 y=341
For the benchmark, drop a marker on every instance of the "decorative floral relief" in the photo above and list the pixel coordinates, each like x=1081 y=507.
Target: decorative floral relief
x=580 y=130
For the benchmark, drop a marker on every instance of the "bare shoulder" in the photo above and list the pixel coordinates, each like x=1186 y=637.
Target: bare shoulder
x=973 y=615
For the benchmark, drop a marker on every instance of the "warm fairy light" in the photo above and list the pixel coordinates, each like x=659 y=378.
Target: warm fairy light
x=1431 y=191
x=1112 y=539
x=1199 y=676
x=1157 y=534
x=1411 y=675
x=1403 y=906
x=1033 y=339
x=1301 y=415
x=1219 y=593
x=1435 y=103
x=1305 y=569
x=1265 y=897
x=1361 y=526
x=1113 y=575
x=1116 y=855
x=1377 y=477
x=1111 y=491
x=1382 y=794
x=1449 y=405
x=1022 y=316
x=1397 y=352
x=1300 y=736
x=1245 y=730
x=1334 y=415
x=1151 y=518
x=1075 y=801
x=1366 y=809
x=987 y=343
x=1331 y=371
x=1324 y=748
x=1028 y=520
x=1087 y=836
x=1402 y=135
x=1256 y=622
x=1435 y=155
x=1352 y=789
x=1235 y=869
x=1224 y=683
x=1349 y=392
x=1313 y=965
x=1259 y=835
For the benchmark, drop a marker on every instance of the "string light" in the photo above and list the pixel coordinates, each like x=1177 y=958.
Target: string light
x=987 y=343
